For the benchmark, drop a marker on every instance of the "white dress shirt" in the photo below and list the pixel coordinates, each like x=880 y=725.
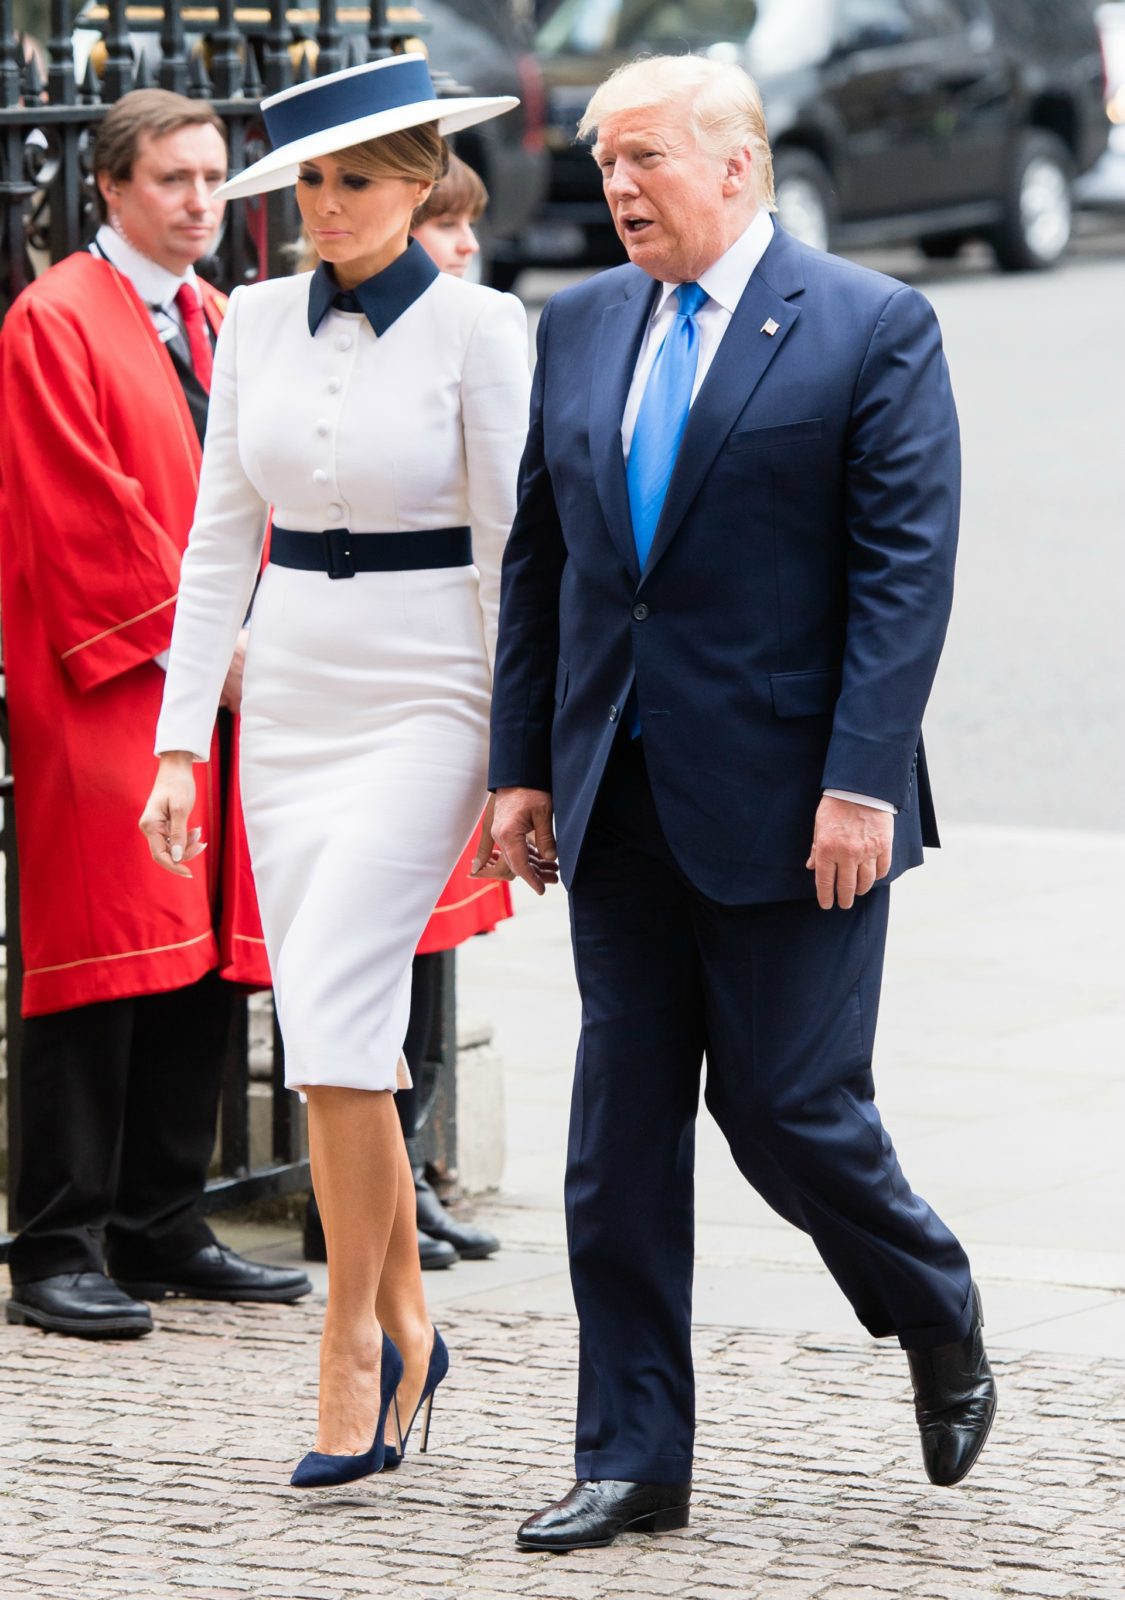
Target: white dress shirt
x=156 y=286
x=724 y=284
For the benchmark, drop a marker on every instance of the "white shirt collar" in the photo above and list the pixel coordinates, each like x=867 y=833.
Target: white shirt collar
x=726 y=279
x=154 y=283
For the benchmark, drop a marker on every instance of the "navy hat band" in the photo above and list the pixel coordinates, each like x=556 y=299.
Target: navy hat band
x=329 y=105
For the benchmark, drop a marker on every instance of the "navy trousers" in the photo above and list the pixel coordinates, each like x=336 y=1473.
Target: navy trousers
x=782 y=1001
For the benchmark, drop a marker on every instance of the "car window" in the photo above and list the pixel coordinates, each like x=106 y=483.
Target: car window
x=588 y=27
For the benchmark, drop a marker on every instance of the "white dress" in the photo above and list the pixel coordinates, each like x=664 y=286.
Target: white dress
x=365 y=700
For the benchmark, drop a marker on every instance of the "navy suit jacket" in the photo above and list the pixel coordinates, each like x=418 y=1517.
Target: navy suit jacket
x=785 y=631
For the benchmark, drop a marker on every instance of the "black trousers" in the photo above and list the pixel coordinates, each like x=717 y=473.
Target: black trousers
x=425 y=979
x=118 y=1109
x=782 y=1001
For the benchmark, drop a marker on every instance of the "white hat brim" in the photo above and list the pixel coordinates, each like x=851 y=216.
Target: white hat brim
x=279 y=169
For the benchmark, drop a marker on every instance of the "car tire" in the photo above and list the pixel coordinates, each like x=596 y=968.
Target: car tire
x=941 y=246
x=805 y=200
x=1035 y=231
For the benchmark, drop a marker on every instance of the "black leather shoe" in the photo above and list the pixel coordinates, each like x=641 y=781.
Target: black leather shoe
x=594 y=1513
x=86 y=1304
x=471 y=1244
x=954 y=1402
x=217 y=1273
x=435 y=1253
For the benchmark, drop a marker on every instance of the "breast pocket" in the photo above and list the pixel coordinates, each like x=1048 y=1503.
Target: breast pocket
x=785 y=433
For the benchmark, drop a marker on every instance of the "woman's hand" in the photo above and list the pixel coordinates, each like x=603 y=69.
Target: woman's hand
x=165 y=817
x=488 y=862
x=538 y=853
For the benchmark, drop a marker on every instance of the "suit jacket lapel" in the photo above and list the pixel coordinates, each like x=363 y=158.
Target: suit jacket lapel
x=619 y=341
x=744 y=354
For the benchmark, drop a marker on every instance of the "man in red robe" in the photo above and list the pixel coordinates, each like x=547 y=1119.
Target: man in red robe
x=128 y=990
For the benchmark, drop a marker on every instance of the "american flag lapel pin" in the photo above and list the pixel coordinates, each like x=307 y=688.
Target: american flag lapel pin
x=770 y=327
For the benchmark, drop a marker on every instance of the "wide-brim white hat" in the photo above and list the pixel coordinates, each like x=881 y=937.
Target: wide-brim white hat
x=345 y=108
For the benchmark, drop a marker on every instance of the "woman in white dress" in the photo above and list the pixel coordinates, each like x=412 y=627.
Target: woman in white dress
x=379 y=408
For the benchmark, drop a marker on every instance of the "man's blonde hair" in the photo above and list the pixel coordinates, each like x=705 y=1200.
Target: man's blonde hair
x=723 y=104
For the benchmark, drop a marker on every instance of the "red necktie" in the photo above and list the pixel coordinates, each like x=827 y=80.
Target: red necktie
x=195 y=327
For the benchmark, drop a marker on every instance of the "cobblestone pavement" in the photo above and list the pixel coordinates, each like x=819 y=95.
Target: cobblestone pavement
x=159 y=1469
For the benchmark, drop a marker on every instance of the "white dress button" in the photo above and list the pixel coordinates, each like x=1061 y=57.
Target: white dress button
x=335 y=512
x=335 y=385
x=324 y=427
x=343 y=341
x=320 y=476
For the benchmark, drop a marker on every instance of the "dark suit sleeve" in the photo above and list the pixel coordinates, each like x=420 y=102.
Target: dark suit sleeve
x=902 y=502
x=527 y=649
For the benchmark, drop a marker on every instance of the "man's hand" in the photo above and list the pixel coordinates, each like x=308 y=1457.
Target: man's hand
x=851 y=850
x=231 y=697
x=521 y=826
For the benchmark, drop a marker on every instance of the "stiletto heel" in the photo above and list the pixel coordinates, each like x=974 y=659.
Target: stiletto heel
x=427 y=1408
x=439 y=1366
x=318 y=1470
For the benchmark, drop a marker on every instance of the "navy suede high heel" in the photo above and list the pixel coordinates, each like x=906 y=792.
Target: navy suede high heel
x=320 y=1471
x=439 y=1366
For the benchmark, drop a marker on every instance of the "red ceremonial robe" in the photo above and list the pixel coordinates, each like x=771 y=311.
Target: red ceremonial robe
x=99 y=468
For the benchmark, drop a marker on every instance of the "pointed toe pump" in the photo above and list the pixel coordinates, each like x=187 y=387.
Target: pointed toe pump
x=439 y=1366
x=320 y=1471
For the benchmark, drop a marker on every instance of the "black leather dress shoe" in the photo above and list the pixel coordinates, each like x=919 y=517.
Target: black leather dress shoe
x=471 y=1244
x=217 y=1273
x=86 y=1304
x=435 y=1253
x=954 y=1402
x=594 y=1513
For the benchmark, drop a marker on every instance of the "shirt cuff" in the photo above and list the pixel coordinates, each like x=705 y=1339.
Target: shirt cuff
x=862 y=800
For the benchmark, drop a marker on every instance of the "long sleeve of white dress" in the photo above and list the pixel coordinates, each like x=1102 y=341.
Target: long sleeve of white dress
x=219 y=568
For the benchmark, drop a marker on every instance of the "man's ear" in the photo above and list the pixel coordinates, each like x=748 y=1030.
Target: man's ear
x=739 y=168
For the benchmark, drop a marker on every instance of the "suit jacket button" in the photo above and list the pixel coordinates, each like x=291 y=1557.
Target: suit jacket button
x=613 y=713
x=640 y=611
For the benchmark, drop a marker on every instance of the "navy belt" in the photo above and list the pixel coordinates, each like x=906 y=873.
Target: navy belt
x=342 y=554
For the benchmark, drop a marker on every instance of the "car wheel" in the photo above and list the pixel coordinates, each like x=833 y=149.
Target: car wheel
x=941 y=246
x=1035 y=230
x=804 y=197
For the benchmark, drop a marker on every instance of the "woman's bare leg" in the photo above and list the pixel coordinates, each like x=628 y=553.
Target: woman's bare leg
x=401 y=1302
x=356 y=1152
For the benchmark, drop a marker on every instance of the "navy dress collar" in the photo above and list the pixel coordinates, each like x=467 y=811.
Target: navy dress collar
x=382 y=299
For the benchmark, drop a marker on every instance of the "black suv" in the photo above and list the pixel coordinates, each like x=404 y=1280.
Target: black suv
x=933 y=121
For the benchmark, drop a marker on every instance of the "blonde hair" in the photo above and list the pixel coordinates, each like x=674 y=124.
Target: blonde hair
x=420 y=154
x=722 y=101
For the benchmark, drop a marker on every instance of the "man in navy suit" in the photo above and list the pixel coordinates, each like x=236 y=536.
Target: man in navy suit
x=725 y=596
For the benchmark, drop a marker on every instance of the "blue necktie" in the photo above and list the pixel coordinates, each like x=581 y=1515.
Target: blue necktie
x=662 y=418
x=659 y=429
